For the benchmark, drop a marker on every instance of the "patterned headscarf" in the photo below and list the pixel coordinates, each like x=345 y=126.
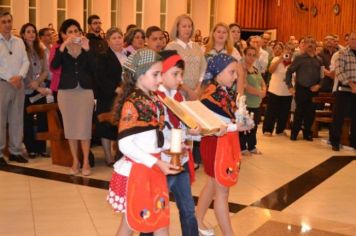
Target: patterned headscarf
x=139 y=62
x=216 y=64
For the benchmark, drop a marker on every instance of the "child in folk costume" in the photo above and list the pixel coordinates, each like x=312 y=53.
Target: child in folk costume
x=221 y=152
x=179 y=185
x=138 y=187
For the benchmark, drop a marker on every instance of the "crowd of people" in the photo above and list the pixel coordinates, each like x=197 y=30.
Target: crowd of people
x=129 y=73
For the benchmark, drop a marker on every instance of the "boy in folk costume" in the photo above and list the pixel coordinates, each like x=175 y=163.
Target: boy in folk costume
x=179 y=184
x=220 y=152
x=138 y=187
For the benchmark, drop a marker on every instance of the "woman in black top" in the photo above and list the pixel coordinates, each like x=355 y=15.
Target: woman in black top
x=75 y=91
x=108 y=79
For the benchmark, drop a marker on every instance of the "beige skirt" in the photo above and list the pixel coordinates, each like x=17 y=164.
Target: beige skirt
x=76 y=106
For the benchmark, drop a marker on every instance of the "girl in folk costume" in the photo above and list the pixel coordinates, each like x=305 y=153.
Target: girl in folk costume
x=220 y=154
x=172 y=78
x=138 y=187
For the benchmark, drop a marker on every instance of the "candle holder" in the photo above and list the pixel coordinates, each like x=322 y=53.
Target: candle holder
x=175 y=158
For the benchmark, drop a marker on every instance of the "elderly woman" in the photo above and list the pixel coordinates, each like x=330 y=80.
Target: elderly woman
x=75 y=91
x=108 y=80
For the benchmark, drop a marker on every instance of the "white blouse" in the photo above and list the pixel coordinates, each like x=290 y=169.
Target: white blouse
x=277 y=84
x=137 y=147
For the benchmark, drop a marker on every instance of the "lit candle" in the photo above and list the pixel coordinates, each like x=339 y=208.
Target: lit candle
x=176 y=141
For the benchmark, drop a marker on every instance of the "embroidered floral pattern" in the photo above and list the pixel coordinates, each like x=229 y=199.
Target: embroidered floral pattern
x=149 y=108
x=139 y=113
x=221 y=97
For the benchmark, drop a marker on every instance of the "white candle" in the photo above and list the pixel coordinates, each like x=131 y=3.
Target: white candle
x=176 y=141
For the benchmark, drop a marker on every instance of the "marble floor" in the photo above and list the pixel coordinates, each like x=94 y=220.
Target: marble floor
x=293 y=188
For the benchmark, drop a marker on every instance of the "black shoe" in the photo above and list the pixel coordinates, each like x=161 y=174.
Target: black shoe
x=110 y=163
x=2 y=162
x=293 y=137
x=44 y=154
x=32 y=155
x=91 y=159
x=17 y=158
x=308 y=138
x=335 y=148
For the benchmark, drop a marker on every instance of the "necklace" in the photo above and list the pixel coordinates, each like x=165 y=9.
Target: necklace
x=7 y=47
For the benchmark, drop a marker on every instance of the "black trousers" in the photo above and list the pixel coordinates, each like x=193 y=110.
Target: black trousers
x=305 y=111
x=34 y=123
x=277 y=111
x=344 y=106
x=248 y=140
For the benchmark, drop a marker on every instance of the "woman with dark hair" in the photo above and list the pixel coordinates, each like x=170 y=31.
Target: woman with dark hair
x=279 y=98
x=35 y=91
x=134 y=40
x=75 y=91
x=235 y=31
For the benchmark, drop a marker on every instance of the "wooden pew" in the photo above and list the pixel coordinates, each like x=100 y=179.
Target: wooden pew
x=107 y=117
x=60 y=150
x=325 y=116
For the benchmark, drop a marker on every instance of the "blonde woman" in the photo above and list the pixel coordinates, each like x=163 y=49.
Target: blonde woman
x=220 y=41
x=193 y=56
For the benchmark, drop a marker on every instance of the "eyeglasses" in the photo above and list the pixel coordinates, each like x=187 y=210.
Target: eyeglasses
x=96 y=23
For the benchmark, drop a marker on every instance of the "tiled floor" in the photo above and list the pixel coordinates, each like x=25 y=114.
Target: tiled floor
x=43 y=206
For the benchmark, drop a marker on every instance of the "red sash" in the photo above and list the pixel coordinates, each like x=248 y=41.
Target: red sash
x=191 y=166
x=147 y=207
x=227 y=159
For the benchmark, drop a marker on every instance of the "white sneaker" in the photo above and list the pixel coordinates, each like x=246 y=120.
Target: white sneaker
x=256 y=151
x=206 y=232
x=245 y=153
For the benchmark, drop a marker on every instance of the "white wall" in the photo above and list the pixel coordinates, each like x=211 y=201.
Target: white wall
x=47 y=12
x=174 y=9
x=151 y=13
x=20 y=13
x=200 y=15
x=225 y=11
x=102 y=9
x=75 y=10
x=126 y=13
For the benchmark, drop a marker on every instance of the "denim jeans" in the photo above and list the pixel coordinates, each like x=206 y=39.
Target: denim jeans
x=179 y=185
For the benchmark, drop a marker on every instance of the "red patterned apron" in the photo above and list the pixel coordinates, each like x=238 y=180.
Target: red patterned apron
x=227 y=159
x=147 y=208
